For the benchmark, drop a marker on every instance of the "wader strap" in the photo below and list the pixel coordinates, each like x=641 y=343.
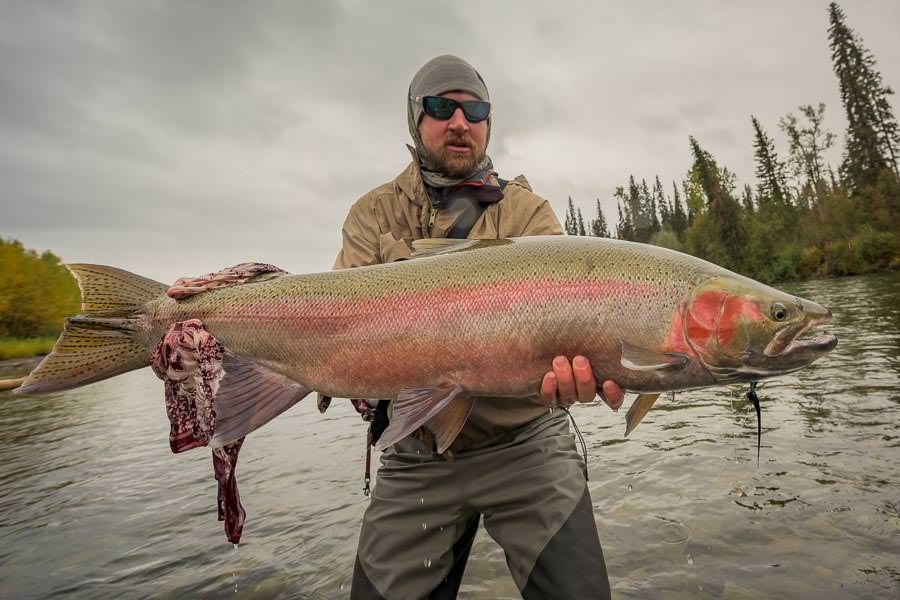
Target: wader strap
x=368 y=476
x=470 y=214
x=378 y=421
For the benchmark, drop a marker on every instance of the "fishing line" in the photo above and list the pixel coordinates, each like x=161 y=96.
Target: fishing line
x=581 y=440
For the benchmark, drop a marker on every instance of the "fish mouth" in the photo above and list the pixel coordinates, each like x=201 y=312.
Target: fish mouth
x=809 y=349
x=789 y=350
x=788 y=340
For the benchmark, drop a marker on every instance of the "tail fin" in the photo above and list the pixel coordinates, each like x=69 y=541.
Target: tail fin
x=100 y=343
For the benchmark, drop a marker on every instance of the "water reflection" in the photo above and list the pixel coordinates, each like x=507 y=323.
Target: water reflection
x=93 y=505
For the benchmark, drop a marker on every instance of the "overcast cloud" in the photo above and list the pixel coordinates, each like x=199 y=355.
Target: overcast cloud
x=178 y=138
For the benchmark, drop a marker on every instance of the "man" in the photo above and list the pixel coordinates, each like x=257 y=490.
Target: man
x=515 y=463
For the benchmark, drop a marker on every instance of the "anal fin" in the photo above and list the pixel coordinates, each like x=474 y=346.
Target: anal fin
x=639 y=408
x=447 y=424
x=415 y=407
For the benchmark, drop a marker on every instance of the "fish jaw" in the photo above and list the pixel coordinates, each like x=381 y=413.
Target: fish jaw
x=787 y=351
x=815 y=315
x=743 y=330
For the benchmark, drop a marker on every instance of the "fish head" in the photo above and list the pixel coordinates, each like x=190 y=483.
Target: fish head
x=743 y=330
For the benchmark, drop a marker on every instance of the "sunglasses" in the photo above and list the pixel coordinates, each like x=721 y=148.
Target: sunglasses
x=442 y=109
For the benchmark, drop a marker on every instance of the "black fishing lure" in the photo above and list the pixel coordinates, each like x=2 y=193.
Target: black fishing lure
x=752 y=397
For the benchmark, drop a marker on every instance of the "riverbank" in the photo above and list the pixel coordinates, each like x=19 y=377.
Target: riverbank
x=25 y=347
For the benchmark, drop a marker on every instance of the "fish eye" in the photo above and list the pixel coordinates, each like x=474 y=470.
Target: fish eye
x=779 y=312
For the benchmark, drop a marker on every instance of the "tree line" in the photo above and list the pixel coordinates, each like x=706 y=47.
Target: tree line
x=802 y=219
x=36 y=292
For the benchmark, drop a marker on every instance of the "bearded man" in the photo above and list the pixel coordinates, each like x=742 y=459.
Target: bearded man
x=514 y=463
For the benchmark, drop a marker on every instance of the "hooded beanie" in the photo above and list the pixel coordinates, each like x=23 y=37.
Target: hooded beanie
x=439 y=75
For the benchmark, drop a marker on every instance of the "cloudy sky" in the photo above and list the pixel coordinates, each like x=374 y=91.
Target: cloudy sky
x=176 y=138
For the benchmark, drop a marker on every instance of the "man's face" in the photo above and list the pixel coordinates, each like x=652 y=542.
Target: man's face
x=455 y=145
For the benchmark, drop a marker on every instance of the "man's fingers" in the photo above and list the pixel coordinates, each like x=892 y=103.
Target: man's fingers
x=613 y=394
x=575 y=381
x=548 y=389
x=566 y=391
x=585 y=382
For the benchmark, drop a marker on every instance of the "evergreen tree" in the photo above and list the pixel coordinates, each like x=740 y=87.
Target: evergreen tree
x=665 y=212
x=747 y=199
x=625 y=226
x=637 y=208
x=648 y=203
x=581 y=230
x=694 y=197
x=679 y=218
x=598 y=224
x=571 y=222
x=720 y=236
x=872 y=135
x=769 y=170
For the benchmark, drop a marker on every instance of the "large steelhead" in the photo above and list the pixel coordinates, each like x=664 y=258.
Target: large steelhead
x=464 y=319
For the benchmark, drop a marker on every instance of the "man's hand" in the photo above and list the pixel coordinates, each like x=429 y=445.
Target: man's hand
x=573 y=381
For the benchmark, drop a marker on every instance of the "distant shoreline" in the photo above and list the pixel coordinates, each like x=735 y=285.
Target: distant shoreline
x=11 y=368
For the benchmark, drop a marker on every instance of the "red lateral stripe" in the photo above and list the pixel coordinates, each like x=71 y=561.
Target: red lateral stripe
x=493 y=297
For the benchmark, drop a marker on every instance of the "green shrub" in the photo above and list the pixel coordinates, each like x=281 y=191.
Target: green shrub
x=877 y=249
x=17 y=347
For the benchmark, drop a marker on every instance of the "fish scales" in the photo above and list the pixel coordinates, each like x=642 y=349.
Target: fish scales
x=492 y=318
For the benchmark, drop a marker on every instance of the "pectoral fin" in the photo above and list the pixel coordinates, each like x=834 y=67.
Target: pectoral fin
x=415 y=407
x=249 y=396
x=642 y=359
x=639 y=408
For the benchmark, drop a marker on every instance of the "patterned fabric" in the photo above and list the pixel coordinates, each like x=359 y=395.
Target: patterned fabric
x=361 y=406
x=189 y=360
x=229 y=500
x=188 y=286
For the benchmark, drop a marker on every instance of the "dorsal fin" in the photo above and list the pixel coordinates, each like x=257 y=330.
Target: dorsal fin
x=435 y=246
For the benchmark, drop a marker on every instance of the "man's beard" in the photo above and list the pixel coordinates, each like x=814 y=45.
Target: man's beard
x=455 y=164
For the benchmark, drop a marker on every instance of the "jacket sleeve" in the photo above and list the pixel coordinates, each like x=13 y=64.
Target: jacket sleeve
x=359 y=245
x=543 y=221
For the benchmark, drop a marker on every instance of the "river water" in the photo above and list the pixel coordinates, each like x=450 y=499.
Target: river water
x=93 y=505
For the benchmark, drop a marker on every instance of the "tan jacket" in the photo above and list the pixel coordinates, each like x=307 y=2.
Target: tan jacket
x=381 y=226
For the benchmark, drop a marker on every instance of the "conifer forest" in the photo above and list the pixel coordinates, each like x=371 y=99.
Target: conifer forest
x=804 y=217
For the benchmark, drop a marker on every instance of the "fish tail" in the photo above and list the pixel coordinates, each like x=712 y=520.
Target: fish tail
x=100 y=343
